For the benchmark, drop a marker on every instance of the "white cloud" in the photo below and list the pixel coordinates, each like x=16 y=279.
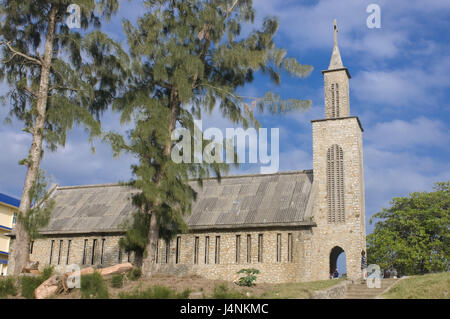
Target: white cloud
x=402 y=134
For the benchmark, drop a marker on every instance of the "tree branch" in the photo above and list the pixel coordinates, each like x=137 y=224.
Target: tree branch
x=20 y=54
x=29 y=90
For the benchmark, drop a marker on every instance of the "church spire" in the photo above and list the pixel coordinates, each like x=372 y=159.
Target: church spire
x=336 y=61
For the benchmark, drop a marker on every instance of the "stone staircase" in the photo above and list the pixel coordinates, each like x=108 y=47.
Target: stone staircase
x=360 y=290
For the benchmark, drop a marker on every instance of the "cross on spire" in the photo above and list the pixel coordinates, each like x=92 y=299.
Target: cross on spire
x=335 y=32
x=336 y=61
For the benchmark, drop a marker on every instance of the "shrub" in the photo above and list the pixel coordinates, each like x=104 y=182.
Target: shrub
x=156 y=292
x=7 y=287
x=30 y=283
x=134 y=274
x=223 y=292
x=249 y=278
x=93 y=287
x=117 y=281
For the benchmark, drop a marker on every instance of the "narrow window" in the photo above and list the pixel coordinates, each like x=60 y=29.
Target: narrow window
x=217 y=251
x=207 y=250
x=59 y=251
x=290 y=247
x=196 y=240
x=119 y=258
x=103 y=248
x=84 y=252
x=157 y=252
x=14 y=218
x=260 y=248
x=177 y=250
x=335 y=100
x=249 y=248
x=31 y=246
x=94 y=243
x=167 y=251
x=238 y=249
x=51 y=251
x=278 y=247
x=335 y=184
x=68 y=251
x=128 y=256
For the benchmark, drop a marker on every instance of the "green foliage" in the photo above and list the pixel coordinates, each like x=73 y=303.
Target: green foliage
x=249 y=278
x=117 y=281
x=156 y=292
x=93 y=286
x=222 y=291
x=7 y=287
x=136 y=236
x=412 y=235
x=30 y=283
x=134 y=274
x=86 y=70
x=38 y=216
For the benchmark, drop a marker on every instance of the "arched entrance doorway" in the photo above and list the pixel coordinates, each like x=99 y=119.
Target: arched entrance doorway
x=338 y=261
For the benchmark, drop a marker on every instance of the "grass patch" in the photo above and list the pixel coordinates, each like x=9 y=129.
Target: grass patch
x=7 y=287
x=222 y=291
x=156 y=292
x=430 y=286
x=300 y=290
x=30 y=283
x=93 y=286
x=117 y=281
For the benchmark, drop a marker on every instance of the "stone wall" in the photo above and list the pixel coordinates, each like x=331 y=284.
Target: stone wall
x=350 y=236
x=41 y=250
x=285 y=269
x=341 y=78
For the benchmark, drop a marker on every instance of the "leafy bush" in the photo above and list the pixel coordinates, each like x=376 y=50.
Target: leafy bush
x=93 y=287
x=223 y=292
x=7 y=287
x=30 y=283
x=134 y=274
x=117 y=281
x=156 y=292
x=249 y=278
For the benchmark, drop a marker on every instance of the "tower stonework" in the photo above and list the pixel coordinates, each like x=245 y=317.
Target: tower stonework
x=338 y=179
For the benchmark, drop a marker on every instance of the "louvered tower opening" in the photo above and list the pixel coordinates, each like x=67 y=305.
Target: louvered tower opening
x=335 y=184
x=335 y=100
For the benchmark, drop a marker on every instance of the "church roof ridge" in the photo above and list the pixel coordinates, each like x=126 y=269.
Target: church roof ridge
x=305 y=171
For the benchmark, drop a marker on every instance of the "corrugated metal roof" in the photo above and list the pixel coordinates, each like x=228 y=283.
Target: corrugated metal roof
x=236 y=202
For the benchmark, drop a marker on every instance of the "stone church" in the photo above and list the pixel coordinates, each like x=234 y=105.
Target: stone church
x=291 y=225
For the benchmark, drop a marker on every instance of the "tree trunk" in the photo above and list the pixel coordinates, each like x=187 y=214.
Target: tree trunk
x=21 y=253
x=150 y=257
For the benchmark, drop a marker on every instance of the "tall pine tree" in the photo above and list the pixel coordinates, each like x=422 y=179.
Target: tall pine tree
x=57 y=78
x=187 y=58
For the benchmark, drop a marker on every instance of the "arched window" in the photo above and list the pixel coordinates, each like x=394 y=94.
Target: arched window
x=335 y=184
x=334 y=100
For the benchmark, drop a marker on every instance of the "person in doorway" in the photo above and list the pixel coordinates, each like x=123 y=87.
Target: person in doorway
x=336 y=274
x=364 y=265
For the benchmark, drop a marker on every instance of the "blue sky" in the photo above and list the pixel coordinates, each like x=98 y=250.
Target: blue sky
x=400 y=89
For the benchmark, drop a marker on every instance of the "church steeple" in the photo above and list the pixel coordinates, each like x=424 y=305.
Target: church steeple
x=337 y=102
x=336 y=61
